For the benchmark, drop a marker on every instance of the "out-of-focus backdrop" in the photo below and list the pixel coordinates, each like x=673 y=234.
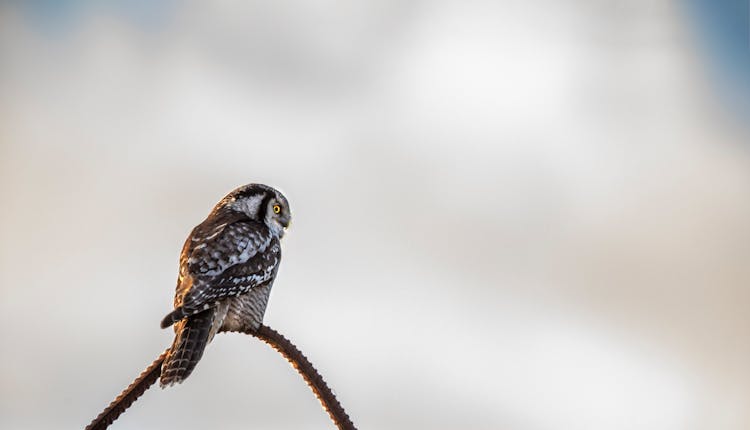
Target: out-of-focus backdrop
x=507 y=215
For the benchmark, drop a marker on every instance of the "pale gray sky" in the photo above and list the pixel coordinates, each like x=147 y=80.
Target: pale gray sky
x=507 y=215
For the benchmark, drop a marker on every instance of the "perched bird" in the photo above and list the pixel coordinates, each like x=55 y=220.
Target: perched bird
x=227 y=267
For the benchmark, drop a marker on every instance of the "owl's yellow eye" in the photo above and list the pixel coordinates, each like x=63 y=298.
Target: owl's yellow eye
x=276 y=209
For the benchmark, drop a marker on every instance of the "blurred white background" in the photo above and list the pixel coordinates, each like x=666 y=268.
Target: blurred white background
x=507 y=215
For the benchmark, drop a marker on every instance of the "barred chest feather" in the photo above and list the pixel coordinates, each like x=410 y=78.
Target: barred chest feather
x=245 y=311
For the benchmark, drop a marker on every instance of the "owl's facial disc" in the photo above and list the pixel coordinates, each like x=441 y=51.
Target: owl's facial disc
x=278 y=216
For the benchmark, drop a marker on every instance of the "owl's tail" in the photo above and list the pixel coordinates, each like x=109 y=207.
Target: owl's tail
x=187 y=348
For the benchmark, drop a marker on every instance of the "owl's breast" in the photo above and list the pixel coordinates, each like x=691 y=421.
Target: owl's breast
x=245 y=312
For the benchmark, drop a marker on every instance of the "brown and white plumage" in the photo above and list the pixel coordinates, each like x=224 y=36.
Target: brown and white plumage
x=227 y=267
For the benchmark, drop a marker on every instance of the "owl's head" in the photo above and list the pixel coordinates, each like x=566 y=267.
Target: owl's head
x=259 y=203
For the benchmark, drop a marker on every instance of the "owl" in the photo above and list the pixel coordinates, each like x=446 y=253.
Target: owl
x=227 y=267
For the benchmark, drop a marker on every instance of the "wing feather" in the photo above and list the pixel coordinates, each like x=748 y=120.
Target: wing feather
x=223 y=261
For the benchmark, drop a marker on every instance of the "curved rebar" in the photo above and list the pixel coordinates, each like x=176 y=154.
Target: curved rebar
x=142 y=383
x=268 y=335
x=316 y=382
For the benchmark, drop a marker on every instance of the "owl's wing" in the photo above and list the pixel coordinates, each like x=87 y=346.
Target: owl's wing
x=213 y=251
x=225 y=261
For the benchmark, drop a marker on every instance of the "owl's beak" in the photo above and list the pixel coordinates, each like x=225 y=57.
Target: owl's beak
x=286 y=221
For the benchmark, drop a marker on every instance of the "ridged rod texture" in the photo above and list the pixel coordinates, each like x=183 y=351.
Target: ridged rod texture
x=316 y=382
x=268 y=335
x=135 y=390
